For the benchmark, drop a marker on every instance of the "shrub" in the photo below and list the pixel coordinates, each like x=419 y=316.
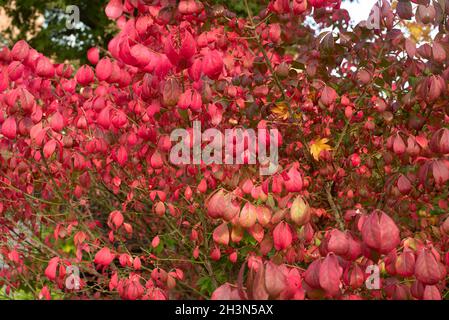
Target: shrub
x=87 y=183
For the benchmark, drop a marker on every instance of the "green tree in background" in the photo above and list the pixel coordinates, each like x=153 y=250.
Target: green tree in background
x=53 y=38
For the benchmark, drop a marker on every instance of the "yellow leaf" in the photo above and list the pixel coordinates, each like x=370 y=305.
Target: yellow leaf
x=67 y=248
x=317 y=146
x=418 y=32
x=281 y=110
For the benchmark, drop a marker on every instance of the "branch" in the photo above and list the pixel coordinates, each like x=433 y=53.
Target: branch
x=337 y=213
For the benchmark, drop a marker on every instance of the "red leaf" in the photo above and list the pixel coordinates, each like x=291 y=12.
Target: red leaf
x=114 y=9
x=427 y=269
x=380 y=232
x=282 y=236
x=440 y=170
x=221 y=234
x=9 y=128
x=49 y=148
x=248 y=216
x=338 y=242
x=104 y=257
x=328 y=96
x=225 y=292
x=275 y=279
x=432 y=293
x=405 y=263
x=330 y=275
x=50 y=271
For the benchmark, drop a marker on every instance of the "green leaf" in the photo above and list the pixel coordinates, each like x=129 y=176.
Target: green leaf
x=205 y=285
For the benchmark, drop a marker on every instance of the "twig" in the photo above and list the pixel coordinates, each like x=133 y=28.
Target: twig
x=334 y=207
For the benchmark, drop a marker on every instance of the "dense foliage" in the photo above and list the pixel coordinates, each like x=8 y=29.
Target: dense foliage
x=55 y=40
x=362 y=113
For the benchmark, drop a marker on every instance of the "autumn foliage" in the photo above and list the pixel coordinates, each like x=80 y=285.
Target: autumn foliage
x=363 y=117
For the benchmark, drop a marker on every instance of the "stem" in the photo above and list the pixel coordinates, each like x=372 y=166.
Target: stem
x=337 y=213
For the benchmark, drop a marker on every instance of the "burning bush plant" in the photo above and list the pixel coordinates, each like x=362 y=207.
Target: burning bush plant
x=92 y=207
